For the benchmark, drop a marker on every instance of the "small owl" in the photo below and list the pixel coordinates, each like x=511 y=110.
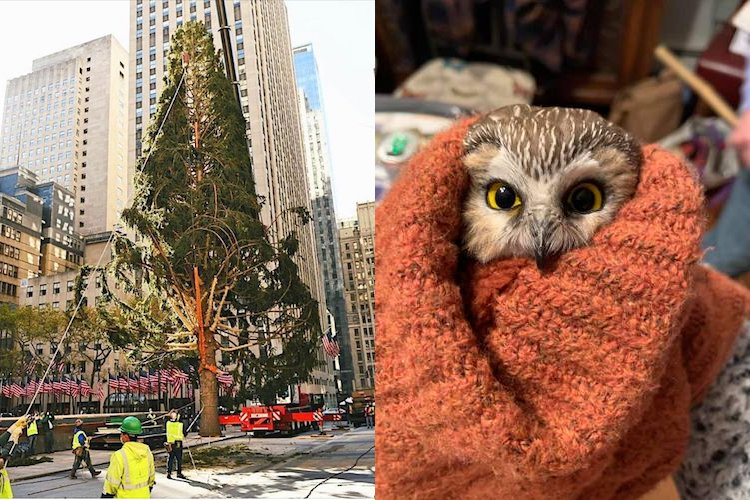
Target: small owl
x=543 y=180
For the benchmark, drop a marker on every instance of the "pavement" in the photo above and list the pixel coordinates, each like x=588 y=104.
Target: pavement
x=62 y=461
x=338 y=465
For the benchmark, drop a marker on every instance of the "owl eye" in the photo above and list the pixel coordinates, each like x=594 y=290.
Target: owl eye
x=501 y=196
x=585 y=198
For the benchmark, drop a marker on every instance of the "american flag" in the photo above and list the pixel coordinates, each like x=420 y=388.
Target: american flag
x=66 y=386
x=16 y=390
x=163 y=380
x=143 y=381
x=132 y=383
x=224 y=379
x=30 y=365
x=179 y=375
x=57 y=387
x=100 y=390
x=112 y=382
x=46 y=386
x=176 y=388
x=75 y=387
x=330 y=345
x=85 y=388
x=122 y=383
x=153 y=381
x=31 y=388
x=6 y=389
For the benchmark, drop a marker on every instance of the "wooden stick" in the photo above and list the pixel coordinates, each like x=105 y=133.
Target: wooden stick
x=701 y=87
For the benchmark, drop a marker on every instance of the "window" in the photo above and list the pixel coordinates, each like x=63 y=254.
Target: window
x=29 y=292
x=43 y=290
x=70 y=285
x=56 y=288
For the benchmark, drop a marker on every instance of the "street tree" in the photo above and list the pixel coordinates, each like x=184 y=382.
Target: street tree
x=207 y=275
x=27 y=327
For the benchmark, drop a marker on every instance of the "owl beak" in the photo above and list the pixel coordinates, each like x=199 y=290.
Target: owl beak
x=541 y=257
x=542 y=229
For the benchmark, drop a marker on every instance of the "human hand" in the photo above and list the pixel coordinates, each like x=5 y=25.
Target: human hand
x=740 y=138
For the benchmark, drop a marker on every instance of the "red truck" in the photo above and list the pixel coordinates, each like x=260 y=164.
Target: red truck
x=277 y=418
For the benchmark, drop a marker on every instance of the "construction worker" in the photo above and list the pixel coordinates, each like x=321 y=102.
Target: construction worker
x=175 y=436
x=131 y=472
x=32 y=432
x=5 y=490
x=7 y=441
x=368 y=416
x=47 y=425
x=81 y=451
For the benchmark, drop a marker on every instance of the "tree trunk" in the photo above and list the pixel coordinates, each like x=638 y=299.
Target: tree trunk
x=209 y=388
x=210 y=403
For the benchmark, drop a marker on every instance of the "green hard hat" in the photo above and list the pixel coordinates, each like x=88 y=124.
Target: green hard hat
x=131 y=426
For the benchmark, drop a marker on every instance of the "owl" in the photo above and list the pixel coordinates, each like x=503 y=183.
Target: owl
x=543 y=180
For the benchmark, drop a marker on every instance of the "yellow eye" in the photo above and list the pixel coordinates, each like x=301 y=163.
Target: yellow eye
x=585 y=198
x=501 y=196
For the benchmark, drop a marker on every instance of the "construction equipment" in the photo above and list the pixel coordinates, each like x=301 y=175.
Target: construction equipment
x=283 y=419
x=360 y=399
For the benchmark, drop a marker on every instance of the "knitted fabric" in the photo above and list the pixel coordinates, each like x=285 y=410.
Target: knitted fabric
x=717 y=462
x=498 y=381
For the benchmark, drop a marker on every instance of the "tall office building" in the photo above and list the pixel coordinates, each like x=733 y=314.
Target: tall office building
x=259 y=35
x=357 y=243
x=66 y=122
x=318 y=161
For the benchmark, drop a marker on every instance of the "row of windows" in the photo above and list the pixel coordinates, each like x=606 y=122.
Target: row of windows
x=8 y=289
x=43 y=289
x=10 y=251
x=9 y=270
x=10 y=232
x=12 y=215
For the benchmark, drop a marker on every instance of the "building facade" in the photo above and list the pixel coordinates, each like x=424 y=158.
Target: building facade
x=20 y=232
x=357 y=243
x=259 y=35
x=62 y=247
x=66 y=121
x=318 y=162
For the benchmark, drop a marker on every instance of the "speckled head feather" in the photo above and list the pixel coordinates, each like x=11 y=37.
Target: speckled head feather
x=543 y=155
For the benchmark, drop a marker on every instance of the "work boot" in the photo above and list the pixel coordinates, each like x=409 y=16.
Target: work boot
x=73 y=476
x=169 y=476
x=180 y=475
x=96 y=473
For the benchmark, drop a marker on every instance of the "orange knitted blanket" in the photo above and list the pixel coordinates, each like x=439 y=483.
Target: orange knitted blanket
x=497 y=381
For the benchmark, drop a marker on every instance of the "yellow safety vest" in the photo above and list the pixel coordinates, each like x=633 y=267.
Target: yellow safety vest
x=76 y=444
x=32 y=430
x=126 y=479
x=5 y=490
x=174 y=432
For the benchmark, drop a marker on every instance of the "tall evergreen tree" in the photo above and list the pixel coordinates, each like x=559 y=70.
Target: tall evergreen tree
x=198 y=218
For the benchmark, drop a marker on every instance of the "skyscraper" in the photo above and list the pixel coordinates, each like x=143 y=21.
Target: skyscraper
x=259 y=35
x=358 y=260
x=321 y=197
x=66 y=122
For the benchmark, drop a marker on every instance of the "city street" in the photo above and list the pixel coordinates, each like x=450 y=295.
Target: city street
x=340 y=466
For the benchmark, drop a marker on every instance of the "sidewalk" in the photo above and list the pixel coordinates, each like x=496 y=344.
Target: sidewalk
x=62 y=461
x=277 y=447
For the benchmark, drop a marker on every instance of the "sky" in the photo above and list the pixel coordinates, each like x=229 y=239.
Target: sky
x=342 y=33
